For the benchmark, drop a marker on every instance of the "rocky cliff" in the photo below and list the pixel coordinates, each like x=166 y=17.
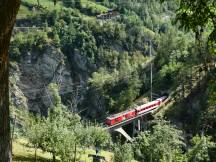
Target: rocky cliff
x=30 y=76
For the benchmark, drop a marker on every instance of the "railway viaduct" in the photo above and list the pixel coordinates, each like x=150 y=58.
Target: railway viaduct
x=136 y=121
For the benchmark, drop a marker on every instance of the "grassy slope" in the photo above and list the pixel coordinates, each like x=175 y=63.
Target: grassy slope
x=24 y=11
x=90 y=4
x=46 y=3
x=23 y=153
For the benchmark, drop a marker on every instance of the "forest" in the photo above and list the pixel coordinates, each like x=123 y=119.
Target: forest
x=69 y=70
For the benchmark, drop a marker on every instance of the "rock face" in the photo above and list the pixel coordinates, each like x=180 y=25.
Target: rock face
x=33 y=73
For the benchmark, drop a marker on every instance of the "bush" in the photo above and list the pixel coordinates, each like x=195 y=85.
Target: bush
x=21 y=44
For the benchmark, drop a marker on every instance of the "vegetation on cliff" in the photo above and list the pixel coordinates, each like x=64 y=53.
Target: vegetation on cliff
x=88 y=69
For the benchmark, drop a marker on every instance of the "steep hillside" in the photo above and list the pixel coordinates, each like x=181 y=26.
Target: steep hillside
x=100 y=66
x=73 y=63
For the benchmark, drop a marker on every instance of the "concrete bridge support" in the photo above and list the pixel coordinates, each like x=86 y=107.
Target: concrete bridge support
x=139 y=124
x=121 y=130
x=136 y=126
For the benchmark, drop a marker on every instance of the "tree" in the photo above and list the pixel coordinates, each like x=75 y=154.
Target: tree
x=69 y=3
x=122 y=152
x=61 y=127
x=8 y=11
x=209 y=115
x=98 y=136
x=164 y=143
x=197 y=15
x=38 y=2
x=66 y=146
x=35 y=133
x=56 y=124
x=200 y=149
x=61 y=133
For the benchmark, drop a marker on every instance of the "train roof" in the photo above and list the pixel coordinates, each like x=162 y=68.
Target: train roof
x=119 y=114
x=162 y=98
x=146 y=104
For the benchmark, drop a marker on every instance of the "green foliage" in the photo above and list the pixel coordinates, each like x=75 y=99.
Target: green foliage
x=197 y=15
x=200 y=149
x=69 y=3
x=66 y=146
x=211 y=92
x=122 y=152
x=176 y=54
x=35 y=133
x=23 y=43
x=87 y=7
x=116 y=49
x=92 y=8
x=208 y=116
x=164 y=143
x=119 y=88
x=110 y=57
x=98 y=137
x=60 y=125
x=61 y=133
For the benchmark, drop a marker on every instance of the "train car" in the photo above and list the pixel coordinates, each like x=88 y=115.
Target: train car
x=117 y=118
x=151 y=105
x=147 y=107
x=161 y=99
x=130 y=114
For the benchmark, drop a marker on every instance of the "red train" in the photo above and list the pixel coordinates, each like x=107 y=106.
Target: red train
x=125 y=115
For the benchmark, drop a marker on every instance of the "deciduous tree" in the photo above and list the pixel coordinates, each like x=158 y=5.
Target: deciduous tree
x=122 y=152
x=164 y=143
x=199 y=151
x=197 y=15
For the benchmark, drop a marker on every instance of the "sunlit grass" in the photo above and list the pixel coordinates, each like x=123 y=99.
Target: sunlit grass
x=23 y=153
x=90 y=4
x=47 y=4
x=23 y=10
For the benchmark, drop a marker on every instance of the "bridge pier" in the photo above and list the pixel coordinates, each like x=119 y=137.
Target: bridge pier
x=136 y=127
x=138 y=124
x=122 y=131
x=144 y=123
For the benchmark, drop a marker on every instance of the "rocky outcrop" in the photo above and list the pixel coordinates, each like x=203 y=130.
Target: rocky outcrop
x=33 y=73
